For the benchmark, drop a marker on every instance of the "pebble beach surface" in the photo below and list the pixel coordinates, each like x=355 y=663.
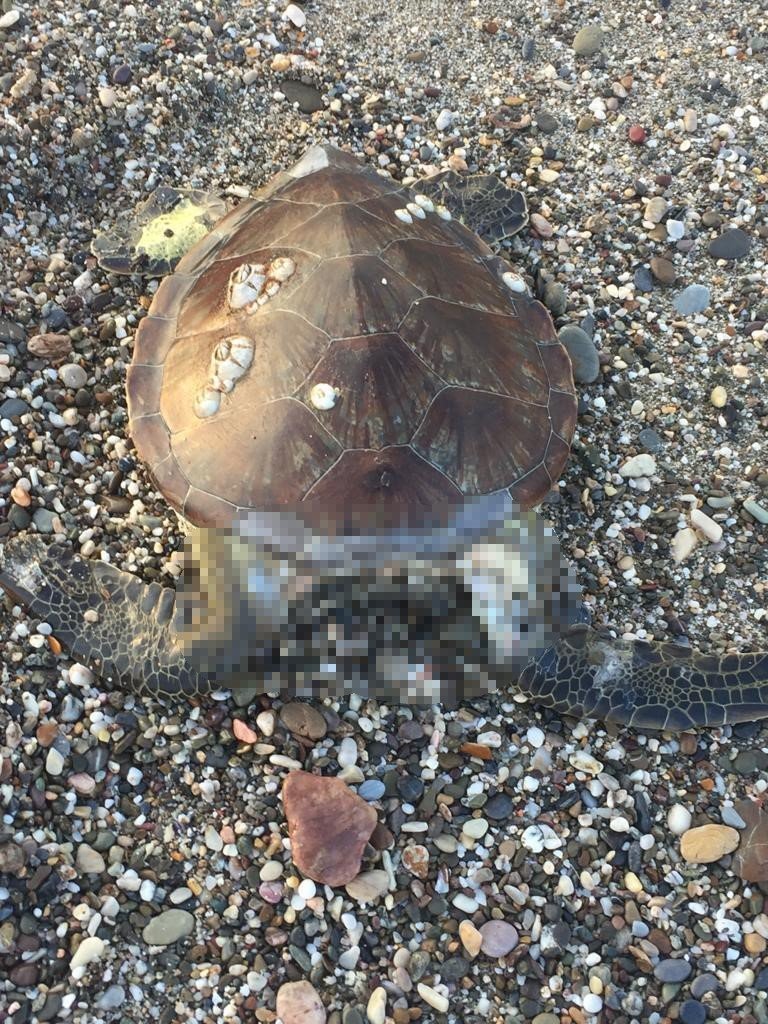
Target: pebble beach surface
x=501 y=864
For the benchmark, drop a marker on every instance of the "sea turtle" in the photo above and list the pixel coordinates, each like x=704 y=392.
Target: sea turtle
x=356 y=404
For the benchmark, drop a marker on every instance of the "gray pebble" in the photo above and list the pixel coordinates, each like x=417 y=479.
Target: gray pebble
x=371 y=789
x=758 y=512
x=555 y=298
x=113 y=997
x=693 y=299
x=581 y=349
x=588 y=40
x=731 y=245
x=673 y=971
x=43 y=519
x=643 y=279
x=72 y=375
x=168 y=927
x=650 y=440
x=13 y=407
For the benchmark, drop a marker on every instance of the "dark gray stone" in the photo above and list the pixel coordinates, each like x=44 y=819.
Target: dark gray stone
x=308 y=97
x=733 y=244
x=674 y=971
x=643 y=279
x=650 y=440
x=581 y=349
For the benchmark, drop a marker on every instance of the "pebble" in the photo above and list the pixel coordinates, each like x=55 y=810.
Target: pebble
x=708 y=843
x=368 y=886
x=718 y=397
x=673 y=971
x=701 y=521
x=371 y=789
x=684 y=543
x=637 y=134
x=498 y=938
x=583 y=354
x=295 y=15
x=678 y=819
x=663 y=270
x=471 y=938
x=89 y=861
x=756 y=510
x=588 y=40
x=643 y=280
x=592 y=1003
x=168 y=927
x=9 y=19
x=732 y=244
x=73 y=375
x=54 y=762
x=243 y=732
x=444 y=119
x=655 y=209
x=498 y=807
x=303 y=720
x=642 y=465
x=555 y=298
x=432 y=998
x=320 y=810
x=693 y=299
x=299 y=1003
x=90 y=949
x=376 y=1010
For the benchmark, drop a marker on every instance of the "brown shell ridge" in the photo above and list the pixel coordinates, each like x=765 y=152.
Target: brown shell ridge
x=449 y=302
x=381 y=451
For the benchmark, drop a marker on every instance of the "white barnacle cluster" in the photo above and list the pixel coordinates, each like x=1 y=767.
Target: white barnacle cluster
x=419 y=208
x=515 y=282
x=324 y=396
x=253 y=284
x=229 y=362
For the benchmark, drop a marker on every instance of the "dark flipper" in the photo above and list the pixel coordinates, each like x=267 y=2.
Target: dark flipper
x=106 y=618
x=647 y=686
x=481 y=201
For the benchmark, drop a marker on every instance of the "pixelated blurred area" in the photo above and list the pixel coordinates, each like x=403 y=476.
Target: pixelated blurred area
x=451 y=607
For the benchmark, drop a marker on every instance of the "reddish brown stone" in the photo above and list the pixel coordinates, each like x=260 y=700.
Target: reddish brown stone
x=750 y=861
x=329 y=826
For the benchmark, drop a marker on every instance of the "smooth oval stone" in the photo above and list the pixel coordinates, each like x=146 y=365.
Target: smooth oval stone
x=693 y=299
x=588 y=40
x=499 y=938
x=168 y=927
x=583 y=354
x=674 y=971
x=731 y=245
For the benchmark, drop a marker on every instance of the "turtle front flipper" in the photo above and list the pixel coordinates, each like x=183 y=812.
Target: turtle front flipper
x=658 y=686
x=480 y=201
x=106 y=618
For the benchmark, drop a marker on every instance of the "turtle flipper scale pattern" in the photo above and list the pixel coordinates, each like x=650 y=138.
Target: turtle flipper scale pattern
x=483 y=202
x=106 y=618
x=647 y=685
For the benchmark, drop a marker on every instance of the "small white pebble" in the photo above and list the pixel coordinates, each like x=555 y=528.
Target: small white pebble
x=678 y=819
